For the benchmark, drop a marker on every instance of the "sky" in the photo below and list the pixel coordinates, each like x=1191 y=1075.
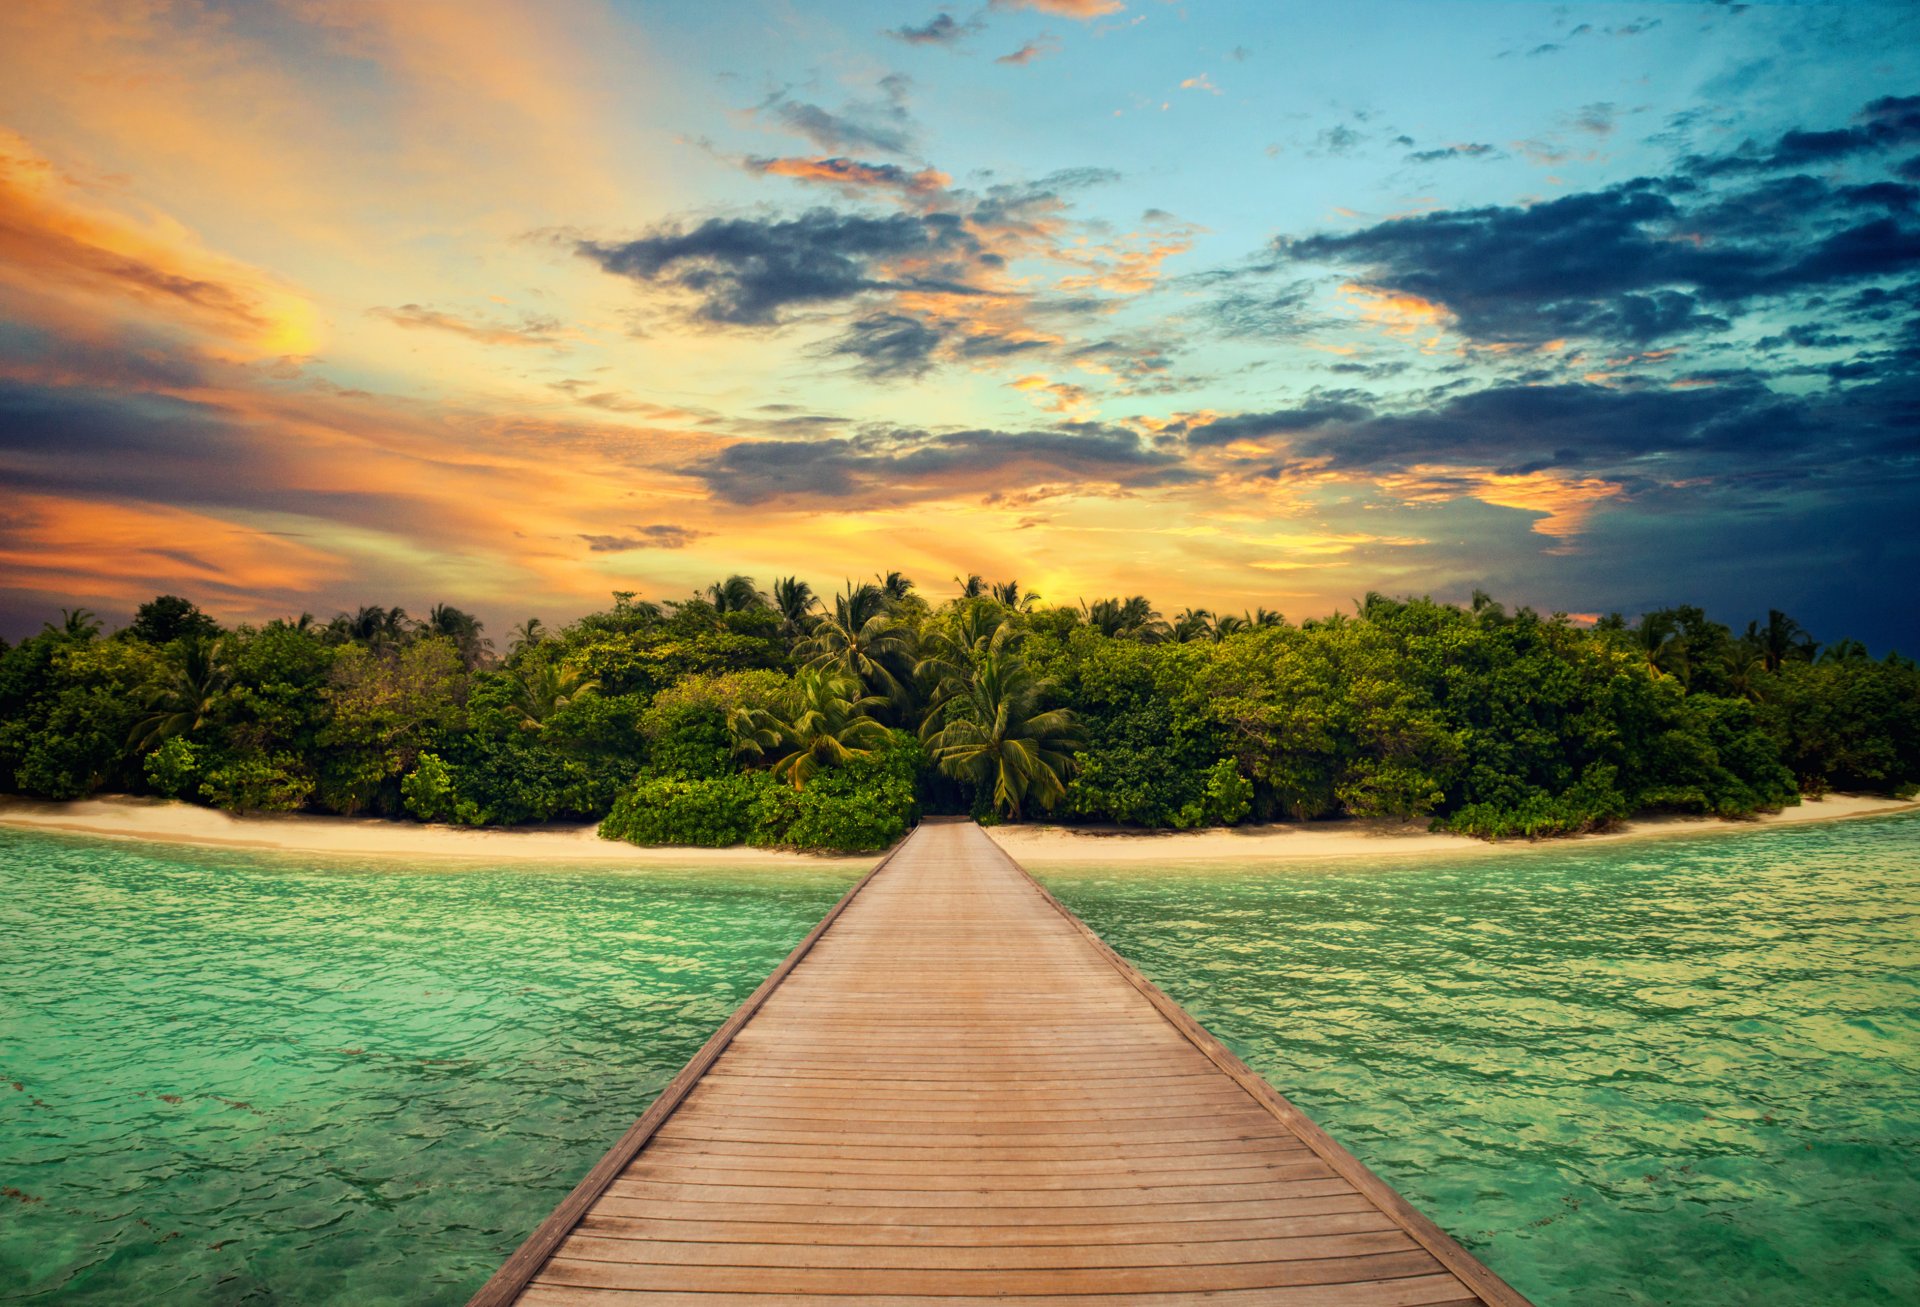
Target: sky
x=308 y=304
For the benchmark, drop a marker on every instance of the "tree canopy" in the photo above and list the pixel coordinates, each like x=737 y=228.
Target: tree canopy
x=735 y=716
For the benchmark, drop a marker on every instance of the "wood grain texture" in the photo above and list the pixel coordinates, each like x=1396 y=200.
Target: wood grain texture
x=954 y=1091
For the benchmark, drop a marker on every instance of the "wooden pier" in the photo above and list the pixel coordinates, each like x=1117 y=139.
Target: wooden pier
x=953 y=1090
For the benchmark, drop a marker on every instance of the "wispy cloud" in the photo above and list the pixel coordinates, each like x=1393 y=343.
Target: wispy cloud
x=530 y=330
x=1084 y=10
x=941 y=29
x=1032 y=50
x=659 y=536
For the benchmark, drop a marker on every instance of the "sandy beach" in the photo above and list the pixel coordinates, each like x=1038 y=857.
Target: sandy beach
x=1036 y=845
x=1044 y=845
x=161 y=821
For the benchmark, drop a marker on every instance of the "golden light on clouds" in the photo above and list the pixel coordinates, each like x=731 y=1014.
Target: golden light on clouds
x=1397 y=313
x=127 y=553
x=64 y=249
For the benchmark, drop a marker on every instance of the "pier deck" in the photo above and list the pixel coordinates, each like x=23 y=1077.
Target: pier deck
x=953 y=1090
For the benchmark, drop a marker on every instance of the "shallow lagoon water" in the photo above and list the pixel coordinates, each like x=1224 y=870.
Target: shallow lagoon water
x=1682 y=1070
x=234 y=1078
x=1678 y=1070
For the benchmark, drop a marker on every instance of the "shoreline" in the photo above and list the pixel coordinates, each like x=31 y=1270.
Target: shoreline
x=1357 y=839
x=167 y=821
x=171 y=822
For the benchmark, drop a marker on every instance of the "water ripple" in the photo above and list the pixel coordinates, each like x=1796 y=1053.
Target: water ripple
x=1659 y=1072
x=231 y=1078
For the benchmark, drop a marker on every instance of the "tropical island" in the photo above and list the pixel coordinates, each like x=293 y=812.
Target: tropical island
x=787 y=719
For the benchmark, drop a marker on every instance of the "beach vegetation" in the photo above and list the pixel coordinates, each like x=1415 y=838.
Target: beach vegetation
x=733 y=716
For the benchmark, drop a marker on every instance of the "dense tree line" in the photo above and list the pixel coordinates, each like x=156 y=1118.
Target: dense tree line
x=787 y=718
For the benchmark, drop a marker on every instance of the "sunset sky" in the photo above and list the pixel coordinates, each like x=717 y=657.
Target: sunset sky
x=317 y=303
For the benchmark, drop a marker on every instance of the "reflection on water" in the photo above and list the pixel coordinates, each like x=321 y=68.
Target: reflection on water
x=236 y=1078
x=1669 y=1071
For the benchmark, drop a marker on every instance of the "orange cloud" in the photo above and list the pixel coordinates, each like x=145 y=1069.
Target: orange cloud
x=1396 y=312
x=128 y=553
x=1084 y=10
x=850 y=172
x=1059 y=396
x=1564 y=503
x=58 y=244
x=532 y=331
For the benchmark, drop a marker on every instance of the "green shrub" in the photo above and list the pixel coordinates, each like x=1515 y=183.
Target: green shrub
x=708 y=811
x=864 y=805
x=173 y=769
x=428 y=789
x=1590 y=804
x=258 y=783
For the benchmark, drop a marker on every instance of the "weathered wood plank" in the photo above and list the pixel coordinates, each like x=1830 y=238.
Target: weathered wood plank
x=954 y=1091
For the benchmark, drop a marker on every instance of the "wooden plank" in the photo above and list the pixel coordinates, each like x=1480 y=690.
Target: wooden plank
x=1489 y=1287
x=1428 y=1291
x=1358 y=1217
x=646 y=1248
x=1373 y=1268
x=952 y=1091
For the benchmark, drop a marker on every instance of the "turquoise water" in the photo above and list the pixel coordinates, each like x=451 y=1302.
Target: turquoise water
x=1667 y=1071
x=1676 y=1071
x=228 y=1078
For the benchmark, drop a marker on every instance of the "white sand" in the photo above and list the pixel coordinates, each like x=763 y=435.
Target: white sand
x=182 y=823
x=1041 y=846
x=1034 y=845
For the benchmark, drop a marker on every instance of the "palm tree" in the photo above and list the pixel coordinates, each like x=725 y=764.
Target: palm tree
x=77 y=626
x=1845 y=651
x=1194 y=624
x=1227 y=624
x=991 y=730
x=1781 y=640
x=539 y=691
x=950 y=650
x=197 y=678
x=529 y=634
x=895 y=586
x=823 y=721
x=736 y=594
x=795 y=601
x=1010 y=594
x=376 y=627
x=1661 y=646
x=463 y=628
x=1262 y=619
x=858 y=637
x=1127 y=619
x=973 y=586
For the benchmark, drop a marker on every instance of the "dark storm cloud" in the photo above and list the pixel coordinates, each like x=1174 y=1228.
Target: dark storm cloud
x=747 y=271
x=1256 y=426
x=1637 y=262
x=1644 y=261
x=158 y=449
x=902 y=466
x=1729 y=429
x=1889 y=123
x=889 y=345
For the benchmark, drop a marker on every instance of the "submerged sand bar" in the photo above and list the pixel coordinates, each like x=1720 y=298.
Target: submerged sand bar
x=952 y=1091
